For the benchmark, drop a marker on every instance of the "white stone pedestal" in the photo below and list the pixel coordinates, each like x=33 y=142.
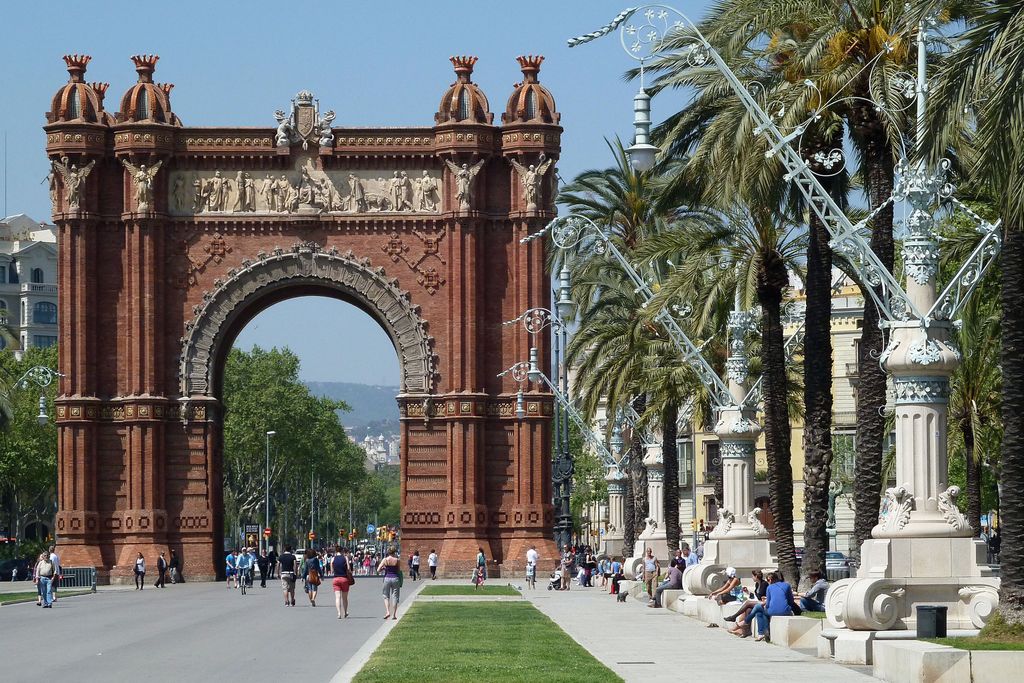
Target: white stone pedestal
x=612 y=541
x=653 y=536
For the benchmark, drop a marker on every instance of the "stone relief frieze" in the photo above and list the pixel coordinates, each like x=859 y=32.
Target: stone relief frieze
x=307 y=190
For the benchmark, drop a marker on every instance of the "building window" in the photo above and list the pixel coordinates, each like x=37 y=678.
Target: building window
x=43 y=340
x=712 y=463
x=37 y=276
x=463 y=105
x=531 y=105
x=684 y=452
x=143 y=105
x=3 y=273
x=711 y=505
x=74 y=111
x=45 y=313
x=12 y=273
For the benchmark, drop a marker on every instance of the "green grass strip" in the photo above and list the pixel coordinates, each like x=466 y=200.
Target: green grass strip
x=977 y=643
x=480 y=641
x=30 y=596
x=468 y=590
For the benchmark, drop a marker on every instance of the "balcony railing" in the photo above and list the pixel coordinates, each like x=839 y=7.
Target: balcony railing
x=38 y=288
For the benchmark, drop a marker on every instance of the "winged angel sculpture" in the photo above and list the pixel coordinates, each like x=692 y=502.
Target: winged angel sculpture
x=532 y=178
x=142 y=178
x=464 y=177
x=73 y=179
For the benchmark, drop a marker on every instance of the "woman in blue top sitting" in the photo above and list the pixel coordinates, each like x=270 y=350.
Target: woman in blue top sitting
x=778 y=603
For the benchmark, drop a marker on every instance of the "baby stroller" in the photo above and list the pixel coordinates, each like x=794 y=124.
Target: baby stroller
x=556 y=580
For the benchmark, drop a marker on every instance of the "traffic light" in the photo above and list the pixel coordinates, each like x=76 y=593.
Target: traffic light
x=693 y=525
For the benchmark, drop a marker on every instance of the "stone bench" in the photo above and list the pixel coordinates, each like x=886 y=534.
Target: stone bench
x=670 y=598
x=856 y=647
x=914 y=660
x=796 y=633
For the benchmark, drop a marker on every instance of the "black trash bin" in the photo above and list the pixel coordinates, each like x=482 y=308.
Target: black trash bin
x=931 y=621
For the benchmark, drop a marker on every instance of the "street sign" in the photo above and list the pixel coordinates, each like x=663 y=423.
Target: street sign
x=266 y=532
x=252 y=528
x=370 y=528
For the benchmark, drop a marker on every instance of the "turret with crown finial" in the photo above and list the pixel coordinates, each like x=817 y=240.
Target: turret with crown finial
x=530 y=101
x=146 y=101
x=464 y=101
x=77 y=101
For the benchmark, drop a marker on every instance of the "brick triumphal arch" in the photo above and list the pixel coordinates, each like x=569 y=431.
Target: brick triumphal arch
x=171 y=238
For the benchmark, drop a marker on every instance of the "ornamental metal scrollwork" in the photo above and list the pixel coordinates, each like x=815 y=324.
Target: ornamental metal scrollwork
x=736 y=449
x=950 y=512
x=921 y=390
x=924 y=352
x=302 y=264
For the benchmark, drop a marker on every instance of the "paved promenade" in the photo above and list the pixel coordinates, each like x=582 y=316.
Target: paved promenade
x=187 y=632
x=652 y=645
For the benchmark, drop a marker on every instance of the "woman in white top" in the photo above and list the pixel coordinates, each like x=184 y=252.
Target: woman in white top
x=140 y=572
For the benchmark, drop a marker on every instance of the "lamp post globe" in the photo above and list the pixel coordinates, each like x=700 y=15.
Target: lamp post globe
x=43 y=418
x=565 y=306
x=642 y=153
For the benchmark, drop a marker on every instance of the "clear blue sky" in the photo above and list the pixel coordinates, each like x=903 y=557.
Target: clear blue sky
x=234 y=63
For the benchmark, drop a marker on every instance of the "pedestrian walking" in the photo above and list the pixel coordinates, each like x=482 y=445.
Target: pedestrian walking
x=432 y=564
x=341 y=567
x=272 y=561
x=481 y=562
x=479 y=578
x=415 y=565
x=532 y=557
x=263 y=562
x=311 y=571
x=652 y=567
x=140 y=572
x=161 y=571
x=58 y=573
x=44 y=573
x=231 y=568
x=392 y=582
x=286 y=564
x=175 y=566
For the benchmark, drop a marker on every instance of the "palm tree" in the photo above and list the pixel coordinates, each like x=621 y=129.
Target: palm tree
x=760 y=253
x=983 y=77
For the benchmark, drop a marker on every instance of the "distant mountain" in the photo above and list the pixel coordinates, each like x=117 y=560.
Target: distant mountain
x=374 y=408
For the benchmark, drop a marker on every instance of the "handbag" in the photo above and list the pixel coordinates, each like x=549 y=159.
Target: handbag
x=314 y=577
x=401 y=578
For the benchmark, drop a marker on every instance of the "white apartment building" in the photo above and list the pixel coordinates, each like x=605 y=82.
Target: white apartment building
x=28 y=283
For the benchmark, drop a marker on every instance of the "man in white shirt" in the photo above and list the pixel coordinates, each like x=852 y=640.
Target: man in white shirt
x=689 y=558
x=432 y=564
x=532 y=556
x=55 y=559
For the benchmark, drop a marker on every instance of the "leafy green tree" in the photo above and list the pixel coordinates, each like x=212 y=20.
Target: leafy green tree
x=262 y=392
x=28 y=450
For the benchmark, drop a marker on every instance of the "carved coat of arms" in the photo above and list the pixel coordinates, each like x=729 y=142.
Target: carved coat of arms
x=305 y=123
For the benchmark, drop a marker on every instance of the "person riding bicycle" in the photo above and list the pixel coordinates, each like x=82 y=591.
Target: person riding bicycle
x=243 y=567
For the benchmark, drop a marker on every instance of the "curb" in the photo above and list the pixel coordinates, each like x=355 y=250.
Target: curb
x=23 y=601
x=357 y=661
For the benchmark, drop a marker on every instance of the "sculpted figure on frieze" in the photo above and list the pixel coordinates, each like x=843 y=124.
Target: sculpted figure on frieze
x=216 y=192
x=142 y=180
x=426 y=192
x=464 y=177
x=73 y=178
x=356 y=194
x=532 y=179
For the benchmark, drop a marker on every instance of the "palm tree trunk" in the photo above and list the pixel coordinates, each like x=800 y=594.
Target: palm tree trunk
x=670 y=460
x=638 y=477
x=1011 y=503
x=867 y=485
x=628 y=516
x=772 y=278
x=817 y=397
x=973 y=467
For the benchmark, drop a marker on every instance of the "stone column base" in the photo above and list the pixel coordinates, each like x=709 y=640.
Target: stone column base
x=899 y=574
x=743 y=554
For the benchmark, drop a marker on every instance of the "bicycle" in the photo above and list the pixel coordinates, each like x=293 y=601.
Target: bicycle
x=241 y=578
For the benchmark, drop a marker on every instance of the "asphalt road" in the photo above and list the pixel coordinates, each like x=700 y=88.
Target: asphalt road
x=187 y=632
